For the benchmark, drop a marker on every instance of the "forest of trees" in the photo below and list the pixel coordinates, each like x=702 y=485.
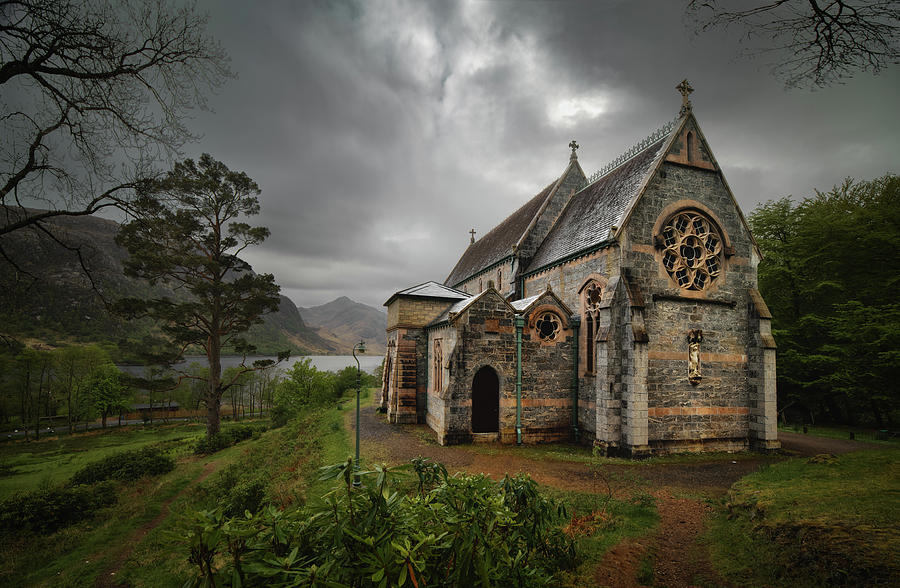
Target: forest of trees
x=829 y=274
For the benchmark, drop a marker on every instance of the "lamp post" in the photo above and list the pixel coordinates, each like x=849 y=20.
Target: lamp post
x=361 y=346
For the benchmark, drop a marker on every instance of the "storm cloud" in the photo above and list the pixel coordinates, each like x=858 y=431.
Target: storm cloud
x=381 y=132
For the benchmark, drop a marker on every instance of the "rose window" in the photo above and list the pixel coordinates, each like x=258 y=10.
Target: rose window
x=547 y=326
x=692 y=248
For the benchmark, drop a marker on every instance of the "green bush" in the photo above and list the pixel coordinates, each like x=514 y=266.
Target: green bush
x=125 y=466
x=51 y=509
x=227 y=438
x=448 y=531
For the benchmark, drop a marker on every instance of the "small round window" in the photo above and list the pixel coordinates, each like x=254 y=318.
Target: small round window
x=692 y=250
x=547 y=326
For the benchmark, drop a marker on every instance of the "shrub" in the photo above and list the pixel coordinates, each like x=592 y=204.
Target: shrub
x=227 y=438
x=51 y=509
x=449 y=531
x=125 y=466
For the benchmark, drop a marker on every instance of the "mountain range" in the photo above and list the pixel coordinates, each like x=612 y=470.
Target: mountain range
x=55 y=290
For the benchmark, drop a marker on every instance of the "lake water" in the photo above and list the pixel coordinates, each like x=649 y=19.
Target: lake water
x=327 y=363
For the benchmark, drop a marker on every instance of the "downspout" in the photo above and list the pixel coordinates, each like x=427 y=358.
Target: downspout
x=576 y=322
x=520 y=322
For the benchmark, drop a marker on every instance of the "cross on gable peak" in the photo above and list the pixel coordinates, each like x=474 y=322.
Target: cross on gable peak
x=573 y=145
x=685 y=89
x=472 y=232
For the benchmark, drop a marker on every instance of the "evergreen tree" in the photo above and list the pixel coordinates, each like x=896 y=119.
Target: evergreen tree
x=187 y=231
x=829 y=274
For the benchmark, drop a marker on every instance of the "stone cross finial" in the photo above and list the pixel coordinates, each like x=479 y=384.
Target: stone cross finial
x=472 y=232
x=573 y=146
x=685 y=88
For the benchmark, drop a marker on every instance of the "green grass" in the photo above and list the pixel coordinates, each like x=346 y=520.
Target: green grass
x=842 y=432
x=797 y=523
x=32 y=464
x=622 y=519
x=567 y=452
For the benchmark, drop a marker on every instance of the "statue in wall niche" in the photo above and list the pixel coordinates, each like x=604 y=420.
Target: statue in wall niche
x=695 y=336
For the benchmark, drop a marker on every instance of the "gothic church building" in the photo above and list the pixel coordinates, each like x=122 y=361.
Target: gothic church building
x=619 y=309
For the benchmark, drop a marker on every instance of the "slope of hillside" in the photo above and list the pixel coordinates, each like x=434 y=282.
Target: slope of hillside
x=344 y=322
x=47 y=295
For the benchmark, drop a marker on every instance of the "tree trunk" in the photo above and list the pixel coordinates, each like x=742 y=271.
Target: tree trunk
x=213 y=392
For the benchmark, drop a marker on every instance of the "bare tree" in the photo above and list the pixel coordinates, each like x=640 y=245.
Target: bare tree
x=813 y=42
x=92 y=94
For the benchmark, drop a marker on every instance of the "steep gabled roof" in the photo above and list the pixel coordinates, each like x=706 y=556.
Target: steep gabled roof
x=598 y=207
x=498 y=243
x=454 y=311
x=429 y=290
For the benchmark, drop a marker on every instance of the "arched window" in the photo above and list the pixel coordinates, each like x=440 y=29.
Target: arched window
x=500 y=280
x=590 y=308
x=690 y=146
x=438 y=378
x=692 y=250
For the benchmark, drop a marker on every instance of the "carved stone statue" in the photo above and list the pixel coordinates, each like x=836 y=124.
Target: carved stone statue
x=695 y=336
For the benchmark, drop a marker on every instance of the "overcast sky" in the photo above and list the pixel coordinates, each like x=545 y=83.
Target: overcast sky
x=380 y=133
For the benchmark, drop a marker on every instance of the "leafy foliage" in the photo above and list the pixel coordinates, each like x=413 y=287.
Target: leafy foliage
x=227 y=438
x=50 y=509
x=462 y=531
x=829 y=275
x=125 y=466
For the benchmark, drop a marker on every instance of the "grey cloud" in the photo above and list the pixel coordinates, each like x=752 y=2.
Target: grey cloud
x=381 y=132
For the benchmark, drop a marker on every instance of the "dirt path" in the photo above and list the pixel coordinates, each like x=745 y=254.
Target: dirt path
x=681 y=491
x=107 y=579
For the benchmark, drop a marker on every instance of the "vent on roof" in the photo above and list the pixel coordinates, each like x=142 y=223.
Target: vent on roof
x=631 y=153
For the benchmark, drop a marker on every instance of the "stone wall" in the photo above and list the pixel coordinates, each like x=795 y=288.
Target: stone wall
x=502 y=276
x=485 y=337
x=715 y=412
x=566 y=279
x=415 y=311
x=547 y=377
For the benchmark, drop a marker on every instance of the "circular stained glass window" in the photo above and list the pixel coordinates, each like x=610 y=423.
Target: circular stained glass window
x=692 y=250
x=547 y=326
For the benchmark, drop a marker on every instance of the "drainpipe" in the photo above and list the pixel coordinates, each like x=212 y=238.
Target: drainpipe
x=576 y=322
x=520 y=322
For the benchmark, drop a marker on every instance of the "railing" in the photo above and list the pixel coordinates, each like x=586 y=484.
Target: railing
x=650 y=139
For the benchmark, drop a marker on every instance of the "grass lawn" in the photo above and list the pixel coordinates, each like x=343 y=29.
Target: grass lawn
x=808 y=523
x=843 y=432
x=28 y=465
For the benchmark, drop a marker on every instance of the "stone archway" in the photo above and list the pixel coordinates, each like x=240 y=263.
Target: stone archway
x=486 y=401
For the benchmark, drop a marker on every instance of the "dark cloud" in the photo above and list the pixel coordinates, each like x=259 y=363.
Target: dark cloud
x=381 y=132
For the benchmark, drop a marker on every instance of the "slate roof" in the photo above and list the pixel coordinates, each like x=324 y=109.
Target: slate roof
x=497 y=243
x=524 y=303
x=430 y=290
x=592 y=212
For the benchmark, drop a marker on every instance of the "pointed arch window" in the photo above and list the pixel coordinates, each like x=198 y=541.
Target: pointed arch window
x=590 y=309
x=438 y=366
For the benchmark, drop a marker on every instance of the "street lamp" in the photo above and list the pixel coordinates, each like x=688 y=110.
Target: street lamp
x=361 y=347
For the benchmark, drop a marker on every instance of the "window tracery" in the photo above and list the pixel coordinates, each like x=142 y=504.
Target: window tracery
x=548 y=326
x=692 y=250
x=590 y=310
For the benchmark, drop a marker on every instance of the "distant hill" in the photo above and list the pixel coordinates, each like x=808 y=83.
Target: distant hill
x=57 y=303
x=344 y=322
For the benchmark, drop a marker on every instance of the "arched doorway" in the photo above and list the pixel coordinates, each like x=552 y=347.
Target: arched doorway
x=486 y=401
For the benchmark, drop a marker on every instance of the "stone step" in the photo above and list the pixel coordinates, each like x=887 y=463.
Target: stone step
x=485 y=437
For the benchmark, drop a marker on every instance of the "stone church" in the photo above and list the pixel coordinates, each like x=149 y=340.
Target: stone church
x=619 y=310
